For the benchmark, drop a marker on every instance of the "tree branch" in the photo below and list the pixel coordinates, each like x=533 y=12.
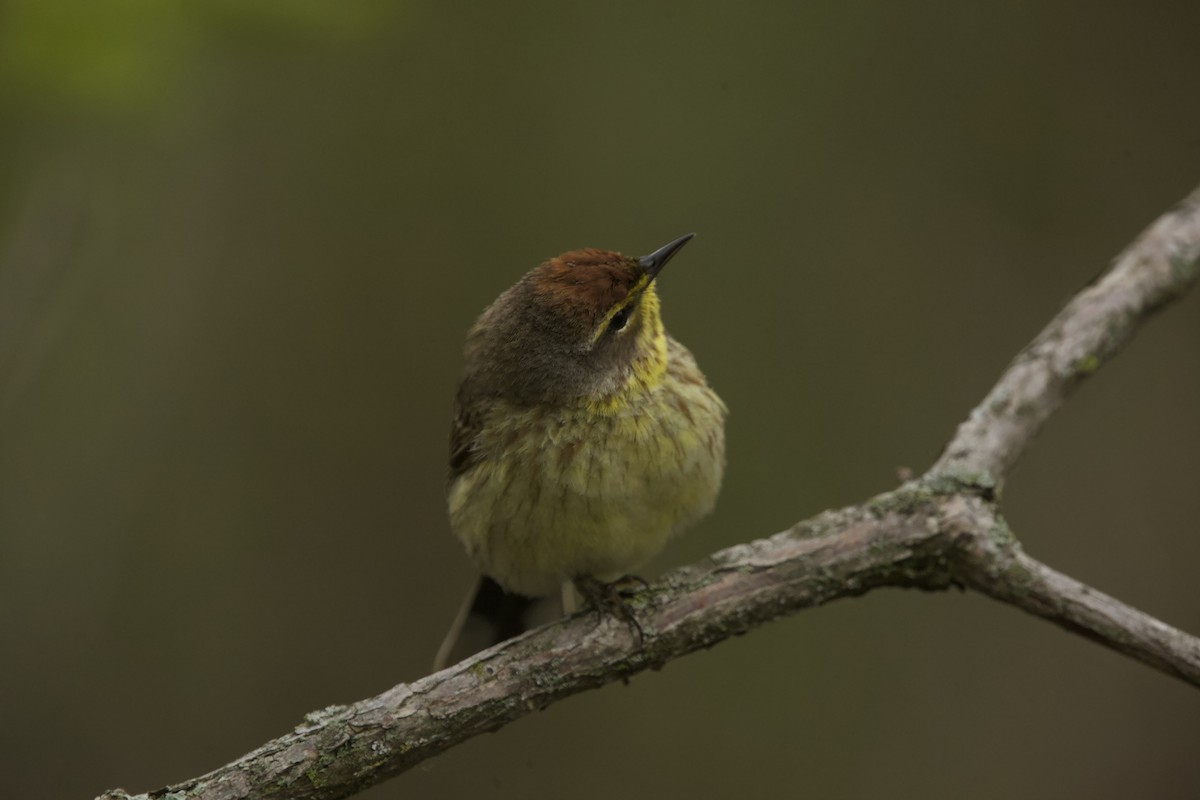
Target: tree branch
x=1040 y=590
x=1158 y=267
x=939 y=531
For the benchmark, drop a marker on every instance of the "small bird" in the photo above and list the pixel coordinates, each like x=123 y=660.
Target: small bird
x=584 y=437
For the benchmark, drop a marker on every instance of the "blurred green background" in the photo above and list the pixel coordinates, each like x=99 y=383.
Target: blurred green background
x=240 y=243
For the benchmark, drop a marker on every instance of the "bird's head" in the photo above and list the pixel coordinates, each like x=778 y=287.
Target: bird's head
x=580 y=325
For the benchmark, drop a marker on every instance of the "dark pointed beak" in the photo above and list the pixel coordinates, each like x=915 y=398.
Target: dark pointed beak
x=654 y=262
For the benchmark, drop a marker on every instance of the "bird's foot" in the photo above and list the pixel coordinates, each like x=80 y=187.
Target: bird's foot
x=609 y=598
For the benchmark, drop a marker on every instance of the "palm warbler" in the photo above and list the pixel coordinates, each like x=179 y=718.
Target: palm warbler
x=584 y=437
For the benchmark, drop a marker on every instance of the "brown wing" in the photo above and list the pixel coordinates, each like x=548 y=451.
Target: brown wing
x=464 y=435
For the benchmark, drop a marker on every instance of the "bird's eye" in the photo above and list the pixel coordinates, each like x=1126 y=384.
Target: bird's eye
x=620 y=318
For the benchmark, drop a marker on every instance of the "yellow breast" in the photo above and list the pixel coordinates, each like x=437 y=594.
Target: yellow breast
x=594 y=490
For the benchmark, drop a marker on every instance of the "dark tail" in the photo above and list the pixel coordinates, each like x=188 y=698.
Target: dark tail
x=489 y=616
